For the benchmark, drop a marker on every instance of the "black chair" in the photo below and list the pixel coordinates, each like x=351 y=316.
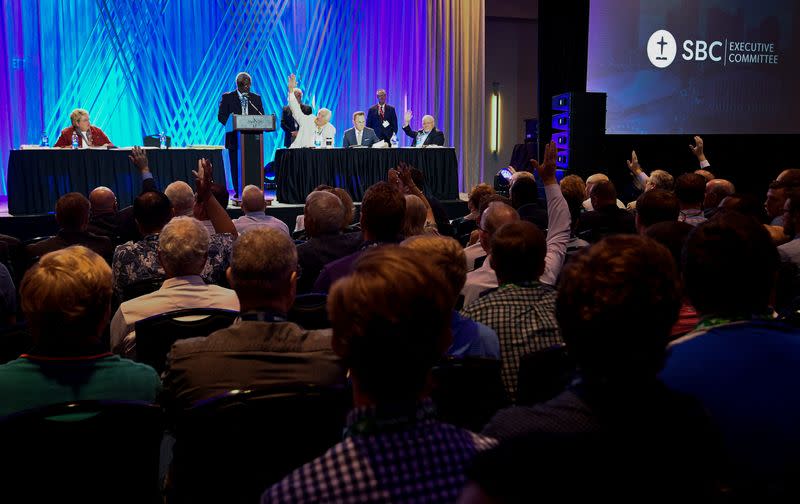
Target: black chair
x=154 y=141
x=310 y=311
x=156 y=335
x=468 y=392
x=233 y=447
x=36 y=240
x=140 y=288
x=544 y=374
x=85 y=451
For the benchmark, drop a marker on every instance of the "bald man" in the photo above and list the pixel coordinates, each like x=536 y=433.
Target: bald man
x=590 y=183
x=428 y=135
x=253 y=206
x=104 y=219
x=716 y=191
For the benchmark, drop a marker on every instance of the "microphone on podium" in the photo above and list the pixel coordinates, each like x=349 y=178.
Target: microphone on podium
x=246 y=96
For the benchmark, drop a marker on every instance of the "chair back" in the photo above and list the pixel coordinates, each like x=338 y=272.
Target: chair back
x=36 y=240
x=469 y=391
x=156 y=335
x=544 y=374
x=233 y=447
x=310 y=311
x=84 y=451
x=140 y=288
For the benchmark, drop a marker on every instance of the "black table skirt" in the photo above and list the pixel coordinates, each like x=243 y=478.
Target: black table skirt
x=37 y=178
x=299 y=171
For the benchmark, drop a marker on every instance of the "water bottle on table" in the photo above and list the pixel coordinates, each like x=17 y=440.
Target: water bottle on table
x=74 y=139
x=162 y=140
x=45 y=140
x=394 y=141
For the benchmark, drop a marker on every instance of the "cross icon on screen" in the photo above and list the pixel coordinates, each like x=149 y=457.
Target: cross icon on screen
x=662 y=44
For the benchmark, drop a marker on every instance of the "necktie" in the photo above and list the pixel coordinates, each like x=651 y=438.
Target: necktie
x=380 y=111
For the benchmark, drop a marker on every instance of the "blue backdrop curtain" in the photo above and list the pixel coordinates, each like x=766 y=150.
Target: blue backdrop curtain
x=142 y=66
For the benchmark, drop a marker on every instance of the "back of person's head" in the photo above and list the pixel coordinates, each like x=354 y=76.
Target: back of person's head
x=220 y=193
x=707 y=175
x=476 y=194
x=152 y=210
x=660 y=179
x=716 y=191
x=181 y=196
x=418 y=177
x=791 y=213
x=790 y=176
x=391 y=322
x=102 y=201
x=72 y=211
x=673 y=235
x=523 y=192
x=690 y=188
x=729 y=266
x=416 y=215
x=183 y=247
x=574 y=191
x=252 y=199
x=744 y=204
x=324 y=214
x=446 y=255
x=496 y=215
x=383 y=210
x=263 y=265
x=657 y=206
x=66 y=298
x=518 y=251
x=519 y=175
x=602 y=194
x=597 y=177
x=347 y=202
x=617 y=302
x=488 y=200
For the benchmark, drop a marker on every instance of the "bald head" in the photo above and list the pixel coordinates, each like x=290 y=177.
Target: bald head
x=496 y=215
x=102 y=201
x=705 y=174
x=716 y=191
x=253 y=200
x=594 y=179
x=324 y=213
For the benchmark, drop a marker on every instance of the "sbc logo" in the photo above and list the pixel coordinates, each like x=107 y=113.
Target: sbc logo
x=661 y=49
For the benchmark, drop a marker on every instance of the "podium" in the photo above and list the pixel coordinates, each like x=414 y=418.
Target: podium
x=249 y=131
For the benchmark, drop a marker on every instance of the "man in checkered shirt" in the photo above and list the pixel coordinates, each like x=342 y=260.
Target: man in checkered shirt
x=390 y=321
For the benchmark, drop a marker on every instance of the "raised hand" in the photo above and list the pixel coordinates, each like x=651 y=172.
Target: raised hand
x=292 y=82
x=139 y=159
x=697 y=148
x=633 y=164
x=407 y=117
x=203 y=179
x=547 y=170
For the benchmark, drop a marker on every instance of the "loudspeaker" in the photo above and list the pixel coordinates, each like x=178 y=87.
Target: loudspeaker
x=531 y=130
x=579 y=128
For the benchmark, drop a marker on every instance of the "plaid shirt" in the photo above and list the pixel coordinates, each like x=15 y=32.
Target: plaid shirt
x=524 y=318
x=135 y=261
x=386 y=458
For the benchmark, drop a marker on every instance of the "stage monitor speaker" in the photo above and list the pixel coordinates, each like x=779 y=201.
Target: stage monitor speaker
x=579 y=128
x=531 y=130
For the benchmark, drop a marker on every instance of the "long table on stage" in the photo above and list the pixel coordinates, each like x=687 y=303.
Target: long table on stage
x=38 y=177
x=299 y=171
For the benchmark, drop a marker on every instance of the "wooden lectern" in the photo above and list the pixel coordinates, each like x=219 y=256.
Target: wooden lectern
x=249 y=130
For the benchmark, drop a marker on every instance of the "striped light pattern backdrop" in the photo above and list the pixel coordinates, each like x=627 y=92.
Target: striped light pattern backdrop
x=141 y=66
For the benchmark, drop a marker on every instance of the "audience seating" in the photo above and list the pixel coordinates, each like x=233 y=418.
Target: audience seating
x=310 y=311
x=468 y=392
x=543 y=375
x=232 y=447
x=140 y=288
x=156 y=335
x=36 y=240
x=15 y=340
x=85 y=451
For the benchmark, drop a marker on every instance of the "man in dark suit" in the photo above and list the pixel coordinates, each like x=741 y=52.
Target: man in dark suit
x=606 y=218
x=358 y=134
x=382 y=118
x=428 y=135
x=288 y=124
x=240 y=101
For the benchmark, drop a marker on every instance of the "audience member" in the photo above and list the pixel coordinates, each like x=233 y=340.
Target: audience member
x=262 y=349
x=66 y=300
x=382 y=212
x=475 y=251
x=590 y=183
x=776 y=198
x=654 y=206
x=738 y=361
x=72 y=215
x=607 y=218
x=391 y=324
x=439 y=213
x=104 y=217
x=470 y=339
x=690 y=188
x=8 y=298
x=415 y=220
x=524 y=195
x=465 y=225
x=716 y=191
x=218 y=192
x=574 y=190
x=181 y=197
x=522 y=309
x=790 y=251
x=253 y=206
x=182 y=253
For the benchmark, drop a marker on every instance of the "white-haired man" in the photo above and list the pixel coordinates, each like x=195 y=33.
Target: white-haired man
x=181 y=197
x=313 y=131
x=239 y=101
x=590 y=182
x=288 y=124
x=428 y=135
x=253 y=206
x=182 y=252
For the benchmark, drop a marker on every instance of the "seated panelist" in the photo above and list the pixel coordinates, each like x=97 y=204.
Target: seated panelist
x=88 y=135
x=359 y=134
x=428 y=135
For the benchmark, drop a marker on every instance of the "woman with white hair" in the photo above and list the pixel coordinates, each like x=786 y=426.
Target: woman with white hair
x=88 y=135
x=315 y=131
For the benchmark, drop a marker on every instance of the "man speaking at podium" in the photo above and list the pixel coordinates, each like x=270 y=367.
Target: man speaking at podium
x=243 y=102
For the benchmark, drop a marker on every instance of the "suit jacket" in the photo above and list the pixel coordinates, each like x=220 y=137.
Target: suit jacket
x=98 y=137
x=314 y=254
x=230 y=104
x=368 y=137
x=249 y=354
x=597 y=224
x=288 y=124
x=435 y=137
x=100 y=244
x=374 y=121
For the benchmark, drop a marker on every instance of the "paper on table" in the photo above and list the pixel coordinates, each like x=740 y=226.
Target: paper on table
x=380 y=144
